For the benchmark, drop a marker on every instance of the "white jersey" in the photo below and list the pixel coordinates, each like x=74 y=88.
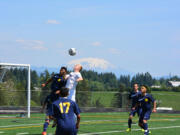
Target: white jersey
x=72 y=83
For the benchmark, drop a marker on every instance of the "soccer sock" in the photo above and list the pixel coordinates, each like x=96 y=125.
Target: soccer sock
x=145 y=127
x=129 y=123
x=45 y=126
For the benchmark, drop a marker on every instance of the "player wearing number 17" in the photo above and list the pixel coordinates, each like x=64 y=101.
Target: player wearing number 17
x=64 y=110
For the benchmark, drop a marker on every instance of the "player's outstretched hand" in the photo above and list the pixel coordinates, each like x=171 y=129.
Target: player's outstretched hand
x=154 y=110
x=77 y=126
x=43 y=85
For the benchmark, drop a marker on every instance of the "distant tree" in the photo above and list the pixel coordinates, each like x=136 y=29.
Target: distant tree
x=83 y=94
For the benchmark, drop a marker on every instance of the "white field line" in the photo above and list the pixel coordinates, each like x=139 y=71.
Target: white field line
x=1 y=132
x=120 y=131
x=26 y=133
x=43 y=123
x=21 y=125
x=81 y=121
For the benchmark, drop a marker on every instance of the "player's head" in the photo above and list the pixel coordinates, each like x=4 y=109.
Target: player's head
x=63 y=70
x=78 y=68
x=144 y=88
x=135 y=86
x=64 y=92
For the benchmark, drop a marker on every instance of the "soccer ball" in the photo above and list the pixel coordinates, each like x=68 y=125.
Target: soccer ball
x=72 y=51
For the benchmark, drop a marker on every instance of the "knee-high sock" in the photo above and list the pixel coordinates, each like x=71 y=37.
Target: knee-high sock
x=145 y=127
x=142 y=126
x=45 y=126
x=129 y=123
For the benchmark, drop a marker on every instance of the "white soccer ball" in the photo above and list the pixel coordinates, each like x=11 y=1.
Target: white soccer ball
x=72 y=51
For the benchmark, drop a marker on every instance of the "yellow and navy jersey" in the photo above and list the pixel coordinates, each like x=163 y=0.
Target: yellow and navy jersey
x=58 y=82
x=146 y=101
x=64 y=111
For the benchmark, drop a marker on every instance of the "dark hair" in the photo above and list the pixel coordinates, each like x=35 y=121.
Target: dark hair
x=64 y=68
x=145 y=86
x=64 y=92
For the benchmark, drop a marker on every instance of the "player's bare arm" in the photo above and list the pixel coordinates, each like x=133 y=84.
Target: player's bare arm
x=79 y=79
x=48 y=81
x=78 y=121
x=154 y=108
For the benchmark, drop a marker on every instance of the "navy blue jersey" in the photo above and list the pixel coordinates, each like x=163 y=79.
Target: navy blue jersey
x=146 y=101
x=58 y=82
x=134 y=96
x=64 y=111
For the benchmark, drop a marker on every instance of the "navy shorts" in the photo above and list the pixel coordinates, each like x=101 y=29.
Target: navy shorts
x=145 y=115
x=138 y=110
x=49 y=111
x=61 y=131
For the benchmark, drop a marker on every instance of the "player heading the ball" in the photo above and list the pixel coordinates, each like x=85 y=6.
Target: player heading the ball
x=72 y=80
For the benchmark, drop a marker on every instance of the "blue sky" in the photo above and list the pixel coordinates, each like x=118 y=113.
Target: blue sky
x=137 y=36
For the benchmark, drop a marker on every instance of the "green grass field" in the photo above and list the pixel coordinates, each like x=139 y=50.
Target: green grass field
x=93 y=124
x=167 y=99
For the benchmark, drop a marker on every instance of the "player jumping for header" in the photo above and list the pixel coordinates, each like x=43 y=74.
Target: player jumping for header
x=57 y=82
x=72 y=80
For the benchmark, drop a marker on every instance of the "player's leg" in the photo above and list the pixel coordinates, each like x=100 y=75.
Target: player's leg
x=145 y=124
x=139 y=112
x=45 y=126
x=131 y=115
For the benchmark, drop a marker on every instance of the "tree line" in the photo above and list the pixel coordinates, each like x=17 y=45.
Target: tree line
x=15 y=84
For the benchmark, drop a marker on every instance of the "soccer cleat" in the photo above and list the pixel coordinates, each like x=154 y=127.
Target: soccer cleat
x=128 y=130
x=146 y=133
x=149 y=132
x=44 y=133
x=142 y=129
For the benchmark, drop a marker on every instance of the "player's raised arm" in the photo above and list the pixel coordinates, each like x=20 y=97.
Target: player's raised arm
x=79 y=79
x=47 y=82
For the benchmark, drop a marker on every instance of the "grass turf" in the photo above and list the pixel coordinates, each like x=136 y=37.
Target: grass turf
x=95 y=123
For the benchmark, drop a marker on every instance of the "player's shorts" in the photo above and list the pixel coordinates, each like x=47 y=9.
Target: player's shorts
x=61 y=131
x=145 y=115
x=49 y=111
x=72 y=95
x=138 y=110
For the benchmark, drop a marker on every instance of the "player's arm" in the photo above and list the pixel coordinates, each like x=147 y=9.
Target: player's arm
x=154 y=104
x=47 y=82
x=78 y=121
x=154 y=108
x=79 y=79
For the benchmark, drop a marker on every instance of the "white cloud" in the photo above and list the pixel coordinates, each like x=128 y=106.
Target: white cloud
x=53 y=22
x=96 y=43
x=92 y=63
x=32 y=44
x=114 y=51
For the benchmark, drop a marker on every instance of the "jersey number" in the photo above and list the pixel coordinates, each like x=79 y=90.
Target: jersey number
x=67 y=104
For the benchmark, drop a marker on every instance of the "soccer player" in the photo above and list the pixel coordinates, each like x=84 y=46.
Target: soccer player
x=63 y=111
x=48 y=105
x=145 y=101
x=58 y=81
x=72 y=80
x=134 y=96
